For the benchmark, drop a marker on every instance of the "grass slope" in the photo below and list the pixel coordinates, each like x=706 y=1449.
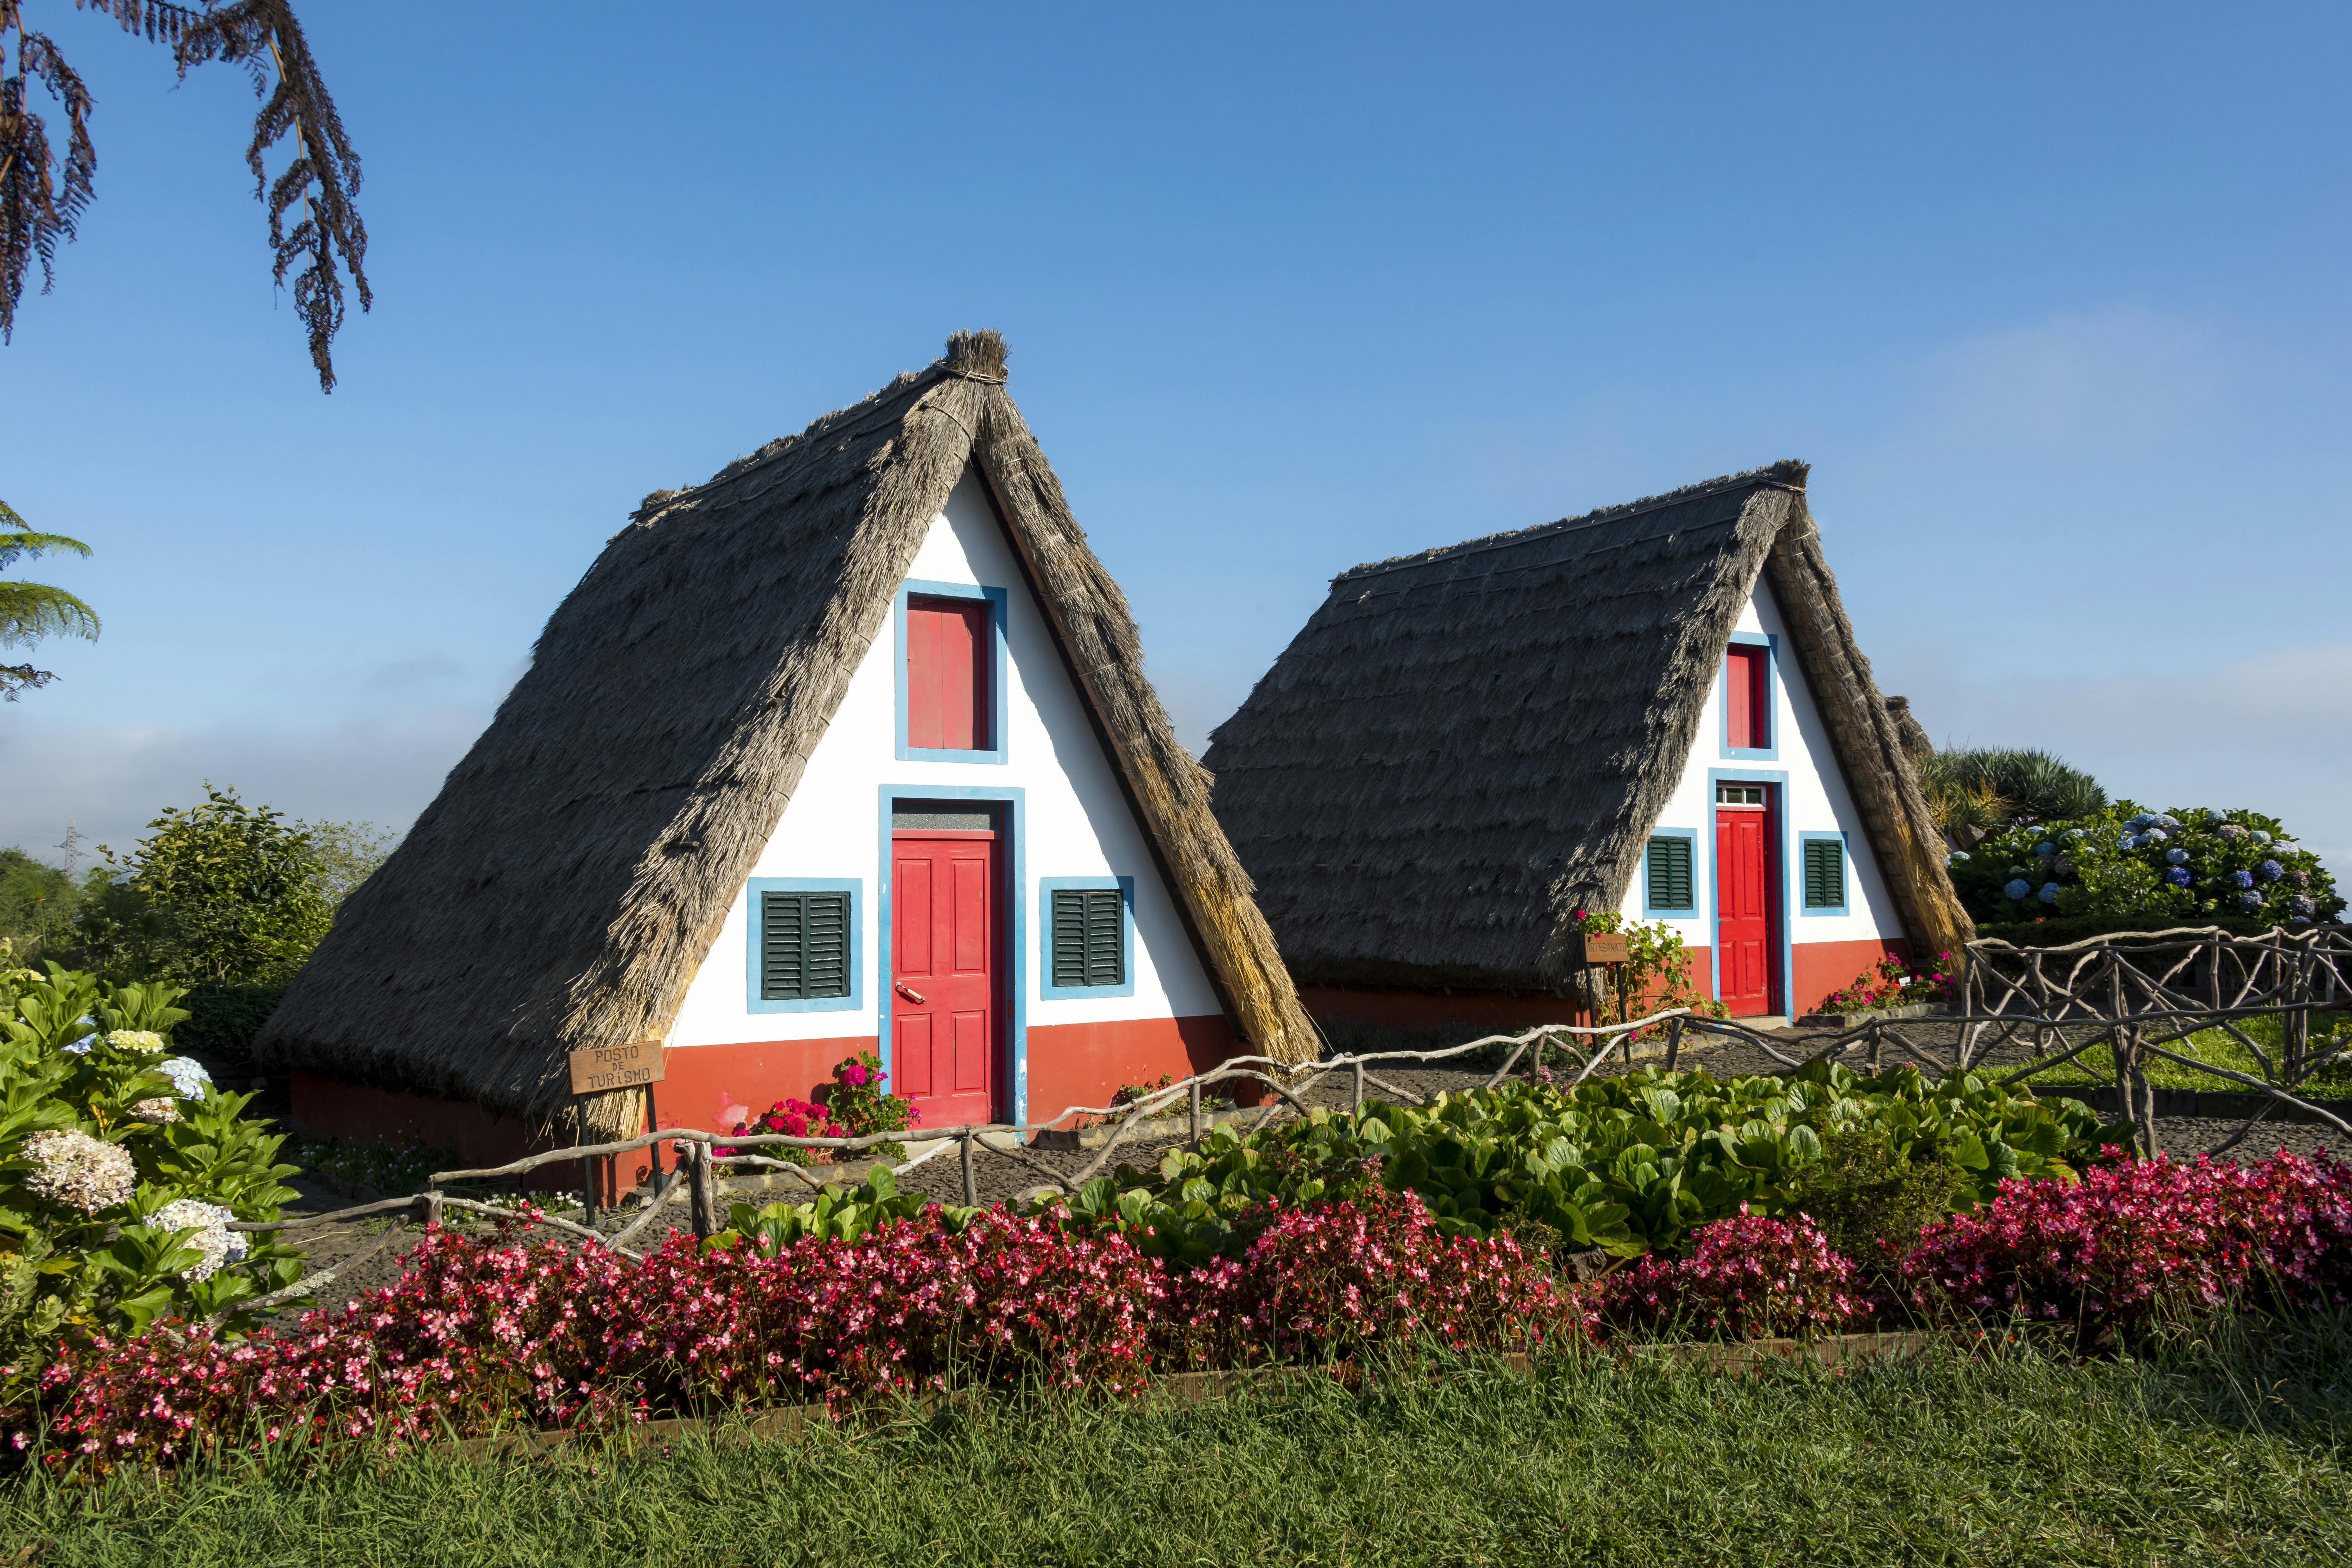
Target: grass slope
x=2013 y=1458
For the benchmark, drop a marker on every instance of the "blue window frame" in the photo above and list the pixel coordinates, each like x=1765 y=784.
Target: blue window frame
x=1826 y=874
x=1049 y=886
x=1770 y=752
x=999 y=601
x=1669 y=874
x=756 y=998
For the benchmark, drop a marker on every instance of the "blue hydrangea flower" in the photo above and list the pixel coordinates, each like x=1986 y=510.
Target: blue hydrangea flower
x=2304 y=904
x=2243 y=878
x=79 y=1047
x=2045 y=849
x=2162 y=820
x=187 y=1074
x=2019 y=887
x=2129 y=841
x=2261 y=837
x=2154 y=836
x=2231 y=830
x=2177 y=875
x=2250 y=900
x=2049 y=894
x=2271 y=871
x=2175 y=856
x=2142 y=820
x=1959 y=854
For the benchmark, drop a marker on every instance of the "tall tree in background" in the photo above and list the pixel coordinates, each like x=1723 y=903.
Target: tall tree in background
x=40 y=196
x=31 y=611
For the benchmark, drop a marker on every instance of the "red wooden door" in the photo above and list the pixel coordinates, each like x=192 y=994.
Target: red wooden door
x=1747 y=943
x=946 y=1013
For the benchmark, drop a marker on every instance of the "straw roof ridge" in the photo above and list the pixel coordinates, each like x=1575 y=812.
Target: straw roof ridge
x=1463 y=746
x=578 y=862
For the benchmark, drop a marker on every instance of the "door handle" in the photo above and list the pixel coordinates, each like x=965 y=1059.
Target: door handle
x=909 y=993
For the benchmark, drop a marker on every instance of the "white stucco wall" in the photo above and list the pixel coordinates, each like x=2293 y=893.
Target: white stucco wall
x=1813 y=798
x=1075 y=823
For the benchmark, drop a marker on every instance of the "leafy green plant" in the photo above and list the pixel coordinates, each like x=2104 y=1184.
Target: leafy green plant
x=838 y=1212
x=857 y=1099
x=1624 y=1165
x=1656 y=975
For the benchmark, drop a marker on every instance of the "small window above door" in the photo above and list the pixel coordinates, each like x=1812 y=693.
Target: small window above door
x=1740 y=796
x=952 y=673
x=1747 y=701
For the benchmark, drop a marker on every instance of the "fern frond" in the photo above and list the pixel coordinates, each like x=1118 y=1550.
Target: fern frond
x=31 y=611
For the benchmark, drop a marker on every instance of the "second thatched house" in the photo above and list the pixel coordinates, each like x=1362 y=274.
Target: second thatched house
x=850 y=748
x=1657 y=708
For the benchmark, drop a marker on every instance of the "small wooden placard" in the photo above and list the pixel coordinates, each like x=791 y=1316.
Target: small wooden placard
x=600 y=1068
x=1604 y=947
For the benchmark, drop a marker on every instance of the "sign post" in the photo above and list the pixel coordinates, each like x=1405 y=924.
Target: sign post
x=1610 y=950
x=600 y=1070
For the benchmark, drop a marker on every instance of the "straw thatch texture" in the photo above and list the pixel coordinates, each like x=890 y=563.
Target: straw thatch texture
x=1463 y=747
x=578 y=864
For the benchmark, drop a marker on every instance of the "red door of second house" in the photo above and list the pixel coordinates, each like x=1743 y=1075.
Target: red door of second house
x=945 y=1018
x=1747 y=951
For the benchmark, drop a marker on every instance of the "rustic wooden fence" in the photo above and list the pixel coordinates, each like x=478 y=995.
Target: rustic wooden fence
x=2137 y=994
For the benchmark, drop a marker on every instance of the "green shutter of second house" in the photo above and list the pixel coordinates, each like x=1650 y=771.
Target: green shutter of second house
x=1669 y=874
x=1825 y=874
x=1088 y=928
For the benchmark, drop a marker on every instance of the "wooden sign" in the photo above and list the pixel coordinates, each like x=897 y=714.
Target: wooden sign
x=603 y=1068
x=1604 y=947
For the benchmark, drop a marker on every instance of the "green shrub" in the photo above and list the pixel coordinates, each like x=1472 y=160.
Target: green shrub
x=223 y=1020
x=1870 y=1199
x=2174 y=867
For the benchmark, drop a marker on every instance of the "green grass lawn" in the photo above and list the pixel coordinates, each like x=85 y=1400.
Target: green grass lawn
x=2097 y=1065
x=2013 y=1458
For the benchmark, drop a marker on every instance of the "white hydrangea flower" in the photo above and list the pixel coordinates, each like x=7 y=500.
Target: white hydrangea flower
x=162 y=1111
x=214 y=1239
x=80 y=1171
x=79 y=1047
x=188 y=1076
x=136 y=1040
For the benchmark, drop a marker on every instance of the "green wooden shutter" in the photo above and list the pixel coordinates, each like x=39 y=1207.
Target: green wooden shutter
x=804 y=946
x=1669 y=874
x=1088 y=931
x=1825 y=874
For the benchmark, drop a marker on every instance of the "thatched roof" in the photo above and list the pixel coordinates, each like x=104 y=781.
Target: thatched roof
x=1464 y=746
x=577 y=865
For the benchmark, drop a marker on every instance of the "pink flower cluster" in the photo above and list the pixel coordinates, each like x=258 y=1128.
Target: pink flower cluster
x=1746 y=1278
x=796 y=1119
x=2138 y=1241
x=1332 y=1278
x=482 y=1335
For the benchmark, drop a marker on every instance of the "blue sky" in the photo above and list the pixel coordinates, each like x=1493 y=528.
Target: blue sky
x=2054 y=300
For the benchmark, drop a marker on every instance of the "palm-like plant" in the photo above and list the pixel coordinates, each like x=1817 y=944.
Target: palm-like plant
x=1975 y=793
x=31 y=611
x=40 y=197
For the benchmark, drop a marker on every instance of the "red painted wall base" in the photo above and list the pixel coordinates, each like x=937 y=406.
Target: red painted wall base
x=1822 y=967
x=713 y=1087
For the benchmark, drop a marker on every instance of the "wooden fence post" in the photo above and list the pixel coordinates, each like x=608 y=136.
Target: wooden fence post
x=587 y=1164
x=1196 y=1112
x=1360 y=1084
x=703 y=1195
x=970 y=1181
x=1673 y=1040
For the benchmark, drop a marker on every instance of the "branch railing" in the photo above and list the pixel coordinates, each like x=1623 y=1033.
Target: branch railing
x=2123 y=991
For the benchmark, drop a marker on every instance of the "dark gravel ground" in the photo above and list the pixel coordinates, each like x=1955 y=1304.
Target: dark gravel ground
x=999 y=1176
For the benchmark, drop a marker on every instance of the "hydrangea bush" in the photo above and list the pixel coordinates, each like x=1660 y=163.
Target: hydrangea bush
x=2125 y=862
x=120 y=1169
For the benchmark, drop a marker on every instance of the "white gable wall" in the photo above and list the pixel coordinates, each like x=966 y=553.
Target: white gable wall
x=1813 y=798
x=1076 y=821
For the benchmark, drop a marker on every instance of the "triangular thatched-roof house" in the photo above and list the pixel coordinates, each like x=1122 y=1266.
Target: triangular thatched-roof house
x=850 y=747
x=1632 y=709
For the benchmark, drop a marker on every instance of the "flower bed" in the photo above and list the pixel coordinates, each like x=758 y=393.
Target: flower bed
x=482 y=1335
